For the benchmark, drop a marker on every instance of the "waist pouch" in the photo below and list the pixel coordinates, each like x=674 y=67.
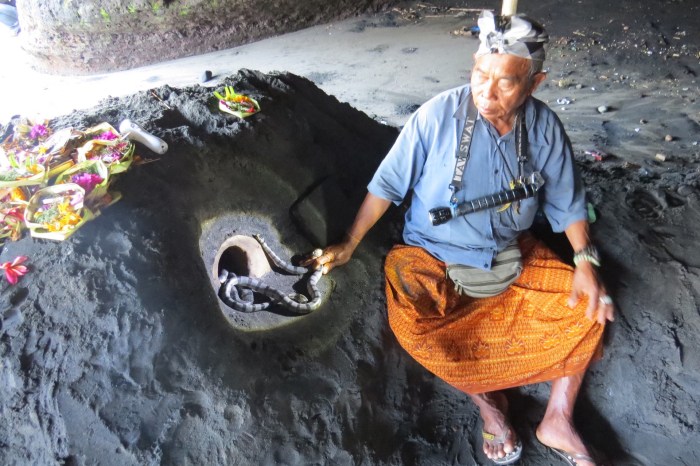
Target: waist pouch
x=479 y=283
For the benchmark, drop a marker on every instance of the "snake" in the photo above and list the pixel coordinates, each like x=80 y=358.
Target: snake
x=237 y=290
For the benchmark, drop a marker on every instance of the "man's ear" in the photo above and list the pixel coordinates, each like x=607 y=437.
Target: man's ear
x=537 y=80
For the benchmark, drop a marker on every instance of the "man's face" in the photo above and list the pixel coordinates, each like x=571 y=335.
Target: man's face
x=500 y=85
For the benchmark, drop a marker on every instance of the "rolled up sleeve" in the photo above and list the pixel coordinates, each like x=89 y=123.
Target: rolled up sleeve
x=402 y=167
x=564 y=200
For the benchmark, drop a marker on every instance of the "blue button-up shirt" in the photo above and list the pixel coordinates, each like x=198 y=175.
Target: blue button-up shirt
x=422 y=162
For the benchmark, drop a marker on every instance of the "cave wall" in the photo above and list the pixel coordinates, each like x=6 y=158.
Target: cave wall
x=91 y=36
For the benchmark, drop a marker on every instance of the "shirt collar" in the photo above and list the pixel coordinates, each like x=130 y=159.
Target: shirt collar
x=461 y=112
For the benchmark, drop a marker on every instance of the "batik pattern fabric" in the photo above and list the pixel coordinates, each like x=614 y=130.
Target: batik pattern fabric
x=527 y=334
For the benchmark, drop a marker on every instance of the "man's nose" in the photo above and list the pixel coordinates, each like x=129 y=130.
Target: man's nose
x=490 y=89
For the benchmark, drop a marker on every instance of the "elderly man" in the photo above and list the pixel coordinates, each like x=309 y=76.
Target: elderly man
x=476 y=299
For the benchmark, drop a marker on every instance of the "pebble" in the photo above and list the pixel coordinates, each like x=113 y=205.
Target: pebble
x=643 y=121
x=668 y=138
x=661 y=157
x=579 y=86
x=645 y=174
x=206 y=76
x=603 y=109
x=685 y=190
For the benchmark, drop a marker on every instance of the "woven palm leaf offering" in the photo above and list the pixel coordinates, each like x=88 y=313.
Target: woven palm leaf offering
x=239 y=105
x=104 y=143
x=33 y=152
x=91 y=175
x=13 y=202
x=11 y=218
x=56 y=212
x=24 y=172
x=21 y=153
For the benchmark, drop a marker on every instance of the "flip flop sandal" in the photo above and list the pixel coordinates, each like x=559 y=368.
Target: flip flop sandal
x=511 y=457
x=571 y=458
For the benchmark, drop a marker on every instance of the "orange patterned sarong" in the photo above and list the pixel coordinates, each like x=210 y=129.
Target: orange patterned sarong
x=525 y=335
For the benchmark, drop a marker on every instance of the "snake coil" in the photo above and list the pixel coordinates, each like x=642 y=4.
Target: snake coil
x=237 y=290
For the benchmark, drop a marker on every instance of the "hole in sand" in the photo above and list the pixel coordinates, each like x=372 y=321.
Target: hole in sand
x=234 y=260
x=241 y=255
x=227 y=240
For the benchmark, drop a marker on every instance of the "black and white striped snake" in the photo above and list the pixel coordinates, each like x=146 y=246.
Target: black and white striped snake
x=237 y=291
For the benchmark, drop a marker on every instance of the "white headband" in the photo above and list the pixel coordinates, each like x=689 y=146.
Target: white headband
x=513 y=35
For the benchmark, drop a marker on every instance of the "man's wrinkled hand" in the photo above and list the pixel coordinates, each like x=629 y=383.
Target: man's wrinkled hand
x=330 y=257
x=586 y=282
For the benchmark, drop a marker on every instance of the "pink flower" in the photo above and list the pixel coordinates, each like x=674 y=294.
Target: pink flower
x=107 y=136
x=13 y=270
x=38 y=131
x=87 y=181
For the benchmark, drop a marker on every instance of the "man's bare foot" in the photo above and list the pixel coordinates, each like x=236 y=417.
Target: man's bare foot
x=557 y=431
x=493 y=407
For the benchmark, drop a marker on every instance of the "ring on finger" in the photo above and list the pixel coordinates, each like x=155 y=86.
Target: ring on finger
x=607 y=300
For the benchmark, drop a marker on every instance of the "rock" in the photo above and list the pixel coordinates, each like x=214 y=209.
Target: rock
x=643 y=121
x=685 y=190
x=206 y=76
x=102 y=35
x=603 y=109
x=668 y=138
x=661 y=157
x=645 y=174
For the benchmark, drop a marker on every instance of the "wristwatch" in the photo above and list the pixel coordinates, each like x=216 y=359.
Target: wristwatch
x=587 y=254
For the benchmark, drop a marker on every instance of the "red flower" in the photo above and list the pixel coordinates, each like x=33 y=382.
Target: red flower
x=13 y=270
